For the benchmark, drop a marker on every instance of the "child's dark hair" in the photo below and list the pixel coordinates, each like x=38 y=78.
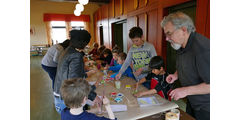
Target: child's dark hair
x=135 y=32
x=107 y=51
x=116 y=49
x=79 y=38
x=73 y=92
x=122 y=55
x=95 y=45
x=65 y=43
x=156 y=62
x=101 y=49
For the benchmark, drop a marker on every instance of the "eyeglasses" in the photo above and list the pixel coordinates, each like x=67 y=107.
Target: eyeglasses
x=169 y=34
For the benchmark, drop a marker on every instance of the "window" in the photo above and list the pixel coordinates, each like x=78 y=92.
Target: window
x=58 y=31
x=77 y=25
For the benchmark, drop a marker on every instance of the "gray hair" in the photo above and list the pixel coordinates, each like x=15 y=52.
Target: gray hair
x=179 y=20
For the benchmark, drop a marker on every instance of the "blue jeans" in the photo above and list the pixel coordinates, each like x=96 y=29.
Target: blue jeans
x=147 y=85
x=51 y=72
x=59 y=104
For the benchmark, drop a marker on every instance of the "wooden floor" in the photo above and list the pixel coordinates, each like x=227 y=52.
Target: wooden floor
x=41 y=97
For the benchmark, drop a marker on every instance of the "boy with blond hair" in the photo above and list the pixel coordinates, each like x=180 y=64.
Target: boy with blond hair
x=74 y=93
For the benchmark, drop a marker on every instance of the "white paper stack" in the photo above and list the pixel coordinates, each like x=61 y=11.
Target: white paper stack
x=118 y=108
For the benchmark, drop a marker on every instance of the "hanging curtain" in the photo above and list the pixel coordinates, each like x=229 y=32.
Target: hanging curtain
x=68 y=29
x=87 y=26
x=49 y=31
x=65 y=17
x=48 y=17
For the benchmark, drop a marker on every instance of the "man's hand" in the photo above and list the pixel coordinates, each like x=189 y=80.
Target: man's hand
x=178 y=93
x=171 y=78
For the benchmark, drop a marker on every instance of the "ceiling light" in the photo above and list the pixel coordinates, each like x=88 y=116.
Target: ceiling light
x=77 y=12
x=79 y=7
x=84 y=2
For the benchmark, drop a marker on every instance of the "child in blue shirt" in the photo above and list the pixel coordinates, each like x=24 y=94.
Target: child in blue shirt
x=74 y=93
x=115 y=52
x=121 y=58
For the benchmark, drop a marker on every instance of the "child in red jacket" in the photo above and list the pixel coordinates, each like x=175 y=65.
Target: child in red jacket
x=157 y=78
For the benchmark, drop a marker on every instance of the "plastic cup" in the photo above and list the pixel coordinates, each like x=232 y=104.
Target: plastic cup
x=105 y=72
x=118 y=84
x=177 y=112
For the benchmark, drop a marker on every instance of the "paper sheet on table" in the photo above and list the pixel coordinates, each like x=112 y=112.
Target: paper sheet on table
x=118 y=108
x=147 y=101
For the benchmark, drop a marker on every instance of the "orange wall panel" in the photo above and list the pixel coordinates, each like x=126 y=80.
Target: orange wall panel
x=118 y=7
x=203 y=17
x=160 y=48
x=207 y=33
x=142 y=23
x=131 y=22
x=142 y=3
x=111 y=9
x=104 y=12
x=128 y=6
x=152 y=27
x=169 y=3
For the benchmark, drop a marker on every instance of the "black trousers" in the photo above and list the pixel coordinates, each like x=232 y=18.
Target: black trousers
x=52 y=71
x=197 y=114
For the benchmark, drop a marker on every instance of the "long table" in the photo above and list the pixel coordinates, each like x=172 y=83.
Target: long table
x=134 y=111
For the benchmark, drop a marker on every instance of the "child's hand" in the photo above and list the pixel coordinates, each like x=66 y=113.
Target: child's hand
x=106 y=67
x=135 y=85
x=118 y=76
x=139 y=94
x=106 y=101
x=89 y=73
x=97 y=100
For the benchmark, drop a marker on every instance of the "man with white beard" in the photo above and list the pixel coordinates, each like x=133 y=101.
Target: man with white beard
x=192 y=64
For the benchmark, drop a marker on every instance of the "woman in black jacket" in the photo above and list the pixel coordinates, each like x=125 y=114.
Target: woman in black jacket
x=71 y=65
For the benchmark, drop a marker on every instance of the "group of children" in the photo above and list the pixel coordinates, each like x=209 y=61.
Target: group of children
x=75 y=91
x=111 y=60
